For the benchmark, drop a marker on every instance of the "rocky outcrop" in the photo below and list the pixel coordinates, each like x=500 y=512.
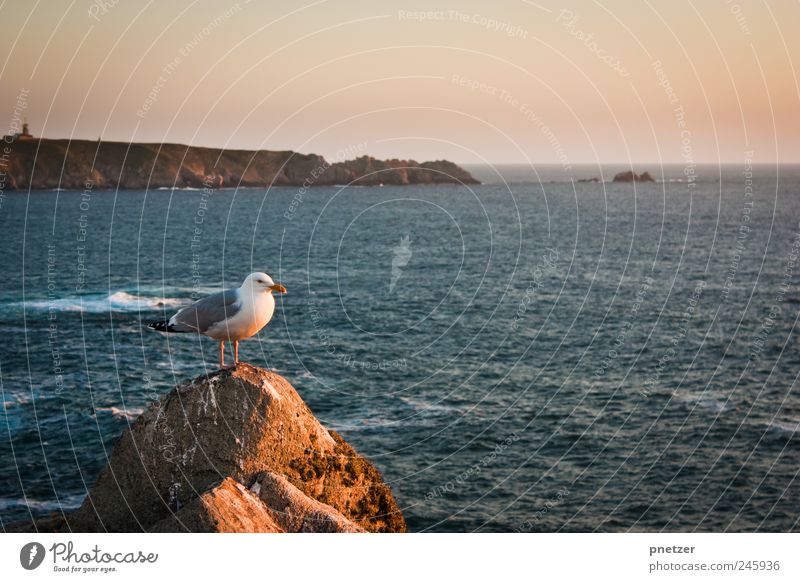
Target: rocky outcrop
x=633 y=177
x=80 y=164
x=226 y=508
x=280 y=469
x=295 y=511
x=271 y=505
x=367 y=171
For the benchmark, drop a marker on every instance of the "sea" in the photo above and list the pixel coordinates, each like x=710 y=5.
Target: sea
x=537 y=353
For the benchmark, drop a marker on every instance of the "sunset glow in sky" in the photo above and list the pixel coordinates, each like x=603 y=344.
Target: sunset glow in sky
x=510 y=81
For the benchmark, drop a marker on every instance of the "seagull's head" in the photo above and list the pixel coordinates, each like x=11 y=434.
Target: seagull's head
x=263 y=282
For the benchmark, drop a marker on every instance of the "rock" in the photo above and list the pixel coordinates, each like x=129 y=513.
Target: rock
x=54 y=523
x=39 y=164
x=296 y=512
x=226 y=508
x=588 y=180
x=240 y=424
x=271 y=505
x=633 y=177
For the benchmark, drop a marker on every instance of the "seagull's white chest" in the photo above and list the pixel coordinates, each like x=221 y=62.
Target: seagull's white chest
x=256 y=311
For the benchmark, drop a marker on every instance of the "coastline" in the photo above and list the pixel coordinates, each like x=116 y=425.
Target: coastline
x=50 y=164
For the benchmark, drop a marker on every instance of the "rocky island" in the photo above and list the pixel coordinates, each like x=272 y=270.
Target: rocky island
x=234 y=451
x=630 y=176
x=44 y=164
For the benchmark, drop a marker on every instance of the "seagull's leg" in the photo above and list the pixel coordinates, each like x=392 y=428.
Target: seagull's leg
x=221 y=355
x=235 y=352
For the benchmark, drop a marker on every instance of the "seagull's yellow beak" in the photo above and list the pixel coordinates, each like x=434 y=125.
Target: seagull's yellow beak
x=277 y=288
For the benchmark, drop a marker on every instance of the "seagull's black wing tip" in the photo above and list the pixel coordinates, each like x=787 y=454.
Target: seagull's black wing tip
x=160 y=326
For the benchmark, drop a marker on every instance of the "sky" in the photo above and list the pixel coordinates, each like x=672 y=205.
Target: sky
x=508 y=81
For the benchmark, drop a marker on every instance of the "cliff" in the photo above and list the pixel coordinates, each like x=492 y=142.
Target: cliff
x=41 y=164
x=235 y=451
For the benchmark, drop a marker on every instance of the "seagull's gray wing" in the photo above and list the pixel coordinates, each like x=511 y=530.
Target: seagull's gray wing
x=202 y=314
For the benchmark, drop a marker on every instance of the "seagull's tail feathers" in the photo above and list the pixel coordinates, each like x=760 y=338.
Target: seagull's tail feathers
x=167 y=327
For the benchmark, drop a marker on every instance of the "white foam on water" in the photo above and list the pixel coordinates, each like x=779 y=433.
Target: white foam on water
x=100 y=303
x=712 y=404
x=427 y=408
x=66 y=502
x=789 y=427
x=704 y=401
x=122 y=413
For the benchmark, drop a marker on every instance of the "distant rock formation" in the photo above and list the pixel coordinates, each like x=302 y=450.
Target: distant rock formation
x=633 y=177
x=236 y=451
x=41 y=164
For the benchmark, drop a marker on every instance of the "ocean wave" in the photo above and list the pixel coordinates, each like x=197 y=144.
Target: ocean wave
x=18 y=400
x=418 y=414
x=101 y=303
x=122 y=413
x=43 y=505
x=423 y=408
x=174 y=365
x=355 y=424
x=705 y=402
x=713 y=405
x=198 y=291
x=790 y=427
x=182 y=188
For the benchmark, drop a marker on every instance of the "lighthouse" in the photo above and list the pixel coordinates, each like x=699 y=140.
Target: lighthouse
x=25 y=133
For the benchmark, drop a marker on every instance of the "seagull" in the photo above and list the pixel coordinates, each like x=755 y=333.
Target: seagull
x=231 y=315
